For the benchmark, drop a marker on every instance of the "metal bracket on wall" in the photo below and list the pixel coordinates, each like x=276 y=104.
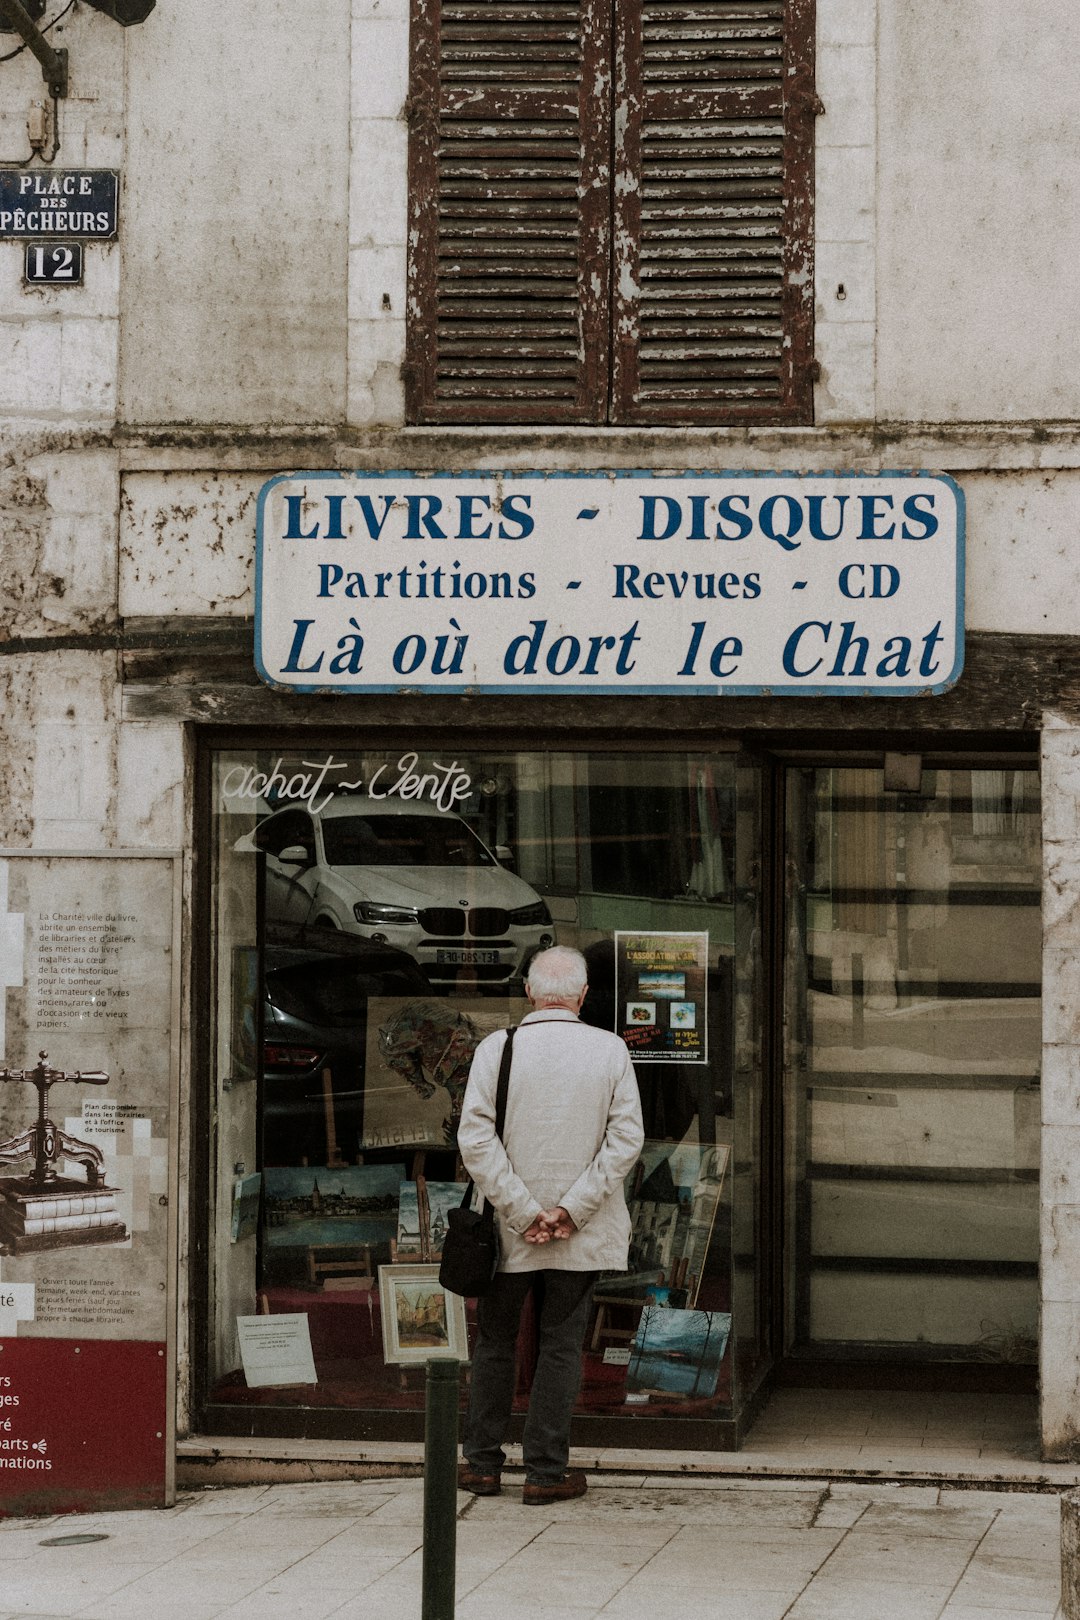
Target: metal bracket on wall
x=35 y=9
x=54 y=64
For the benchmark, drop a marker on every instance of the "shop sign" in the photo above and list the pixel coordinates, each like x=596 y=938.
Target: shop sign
x=64 y=202
x=734 y=583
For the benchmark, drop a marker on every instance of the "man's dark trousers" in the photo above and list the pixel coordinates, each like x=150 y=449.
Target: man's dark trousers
x=562 y=1305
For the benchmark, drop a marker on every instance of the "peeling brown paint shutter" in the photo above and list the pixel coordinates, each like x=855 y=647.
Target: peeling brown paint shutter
x=509 y=215
x=713 y=284
x=545 y=288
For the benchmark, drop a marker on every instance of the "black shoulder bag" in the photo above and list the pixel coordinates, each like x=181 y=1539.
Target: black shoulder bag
x=470 y=1251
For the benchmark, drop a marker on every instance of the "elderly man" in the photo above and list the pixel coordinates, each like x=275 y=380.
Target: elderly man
x=572 y=1133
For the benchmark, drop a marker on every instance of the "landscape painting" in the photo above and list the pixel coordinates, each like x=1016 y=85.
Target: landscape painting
x=308 y=1206
x=678 y=1352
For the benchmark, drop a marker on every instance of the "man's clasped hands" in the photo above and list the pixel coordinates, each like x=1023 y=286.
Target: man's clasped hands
x=550 y=1224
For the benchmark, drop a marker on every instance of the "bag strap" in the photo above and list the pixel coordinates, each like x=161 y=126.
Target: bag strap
x=504 y=1082
x=501 y=1090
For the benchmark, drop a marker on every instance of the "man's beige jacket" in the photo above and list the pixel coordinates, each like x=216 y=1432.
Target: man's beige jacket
x=573 y=1132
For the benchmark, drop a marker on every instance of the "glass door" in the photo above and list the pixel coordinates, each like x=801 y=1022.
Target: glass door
x=911 y=1065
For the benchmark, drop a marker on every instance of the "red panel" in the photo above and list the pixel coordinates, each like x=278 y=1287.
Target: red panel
x=82 y=1425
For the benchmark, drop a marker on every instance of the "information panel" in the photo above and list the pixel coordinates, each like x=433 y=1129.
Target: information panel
x=87 y=1172
x=611 y=582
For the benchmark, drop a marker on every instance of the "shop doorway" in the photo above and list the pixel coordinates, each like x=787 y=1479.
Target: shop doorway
x=909 y=1084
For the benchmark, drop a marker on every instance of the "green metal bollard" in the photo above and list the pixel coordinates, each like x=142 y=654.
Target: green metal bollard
x=440 y=1489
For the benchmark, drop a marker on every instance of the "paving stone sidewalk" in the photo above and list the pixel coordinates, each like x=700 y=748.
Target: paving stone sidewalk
x=636 y=1548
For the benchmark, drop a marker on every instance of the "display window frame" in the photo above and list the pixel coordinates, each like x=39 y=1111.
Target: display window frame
x=769 y=756
x=314 y=1421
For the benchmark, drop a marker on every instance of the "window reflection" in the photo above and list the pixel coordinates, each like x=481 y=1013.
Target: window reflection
x=381 y=935
x=912 y=1078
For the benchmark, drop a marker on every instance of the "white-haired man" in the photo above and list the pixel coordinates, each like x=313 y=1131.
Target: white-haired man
x=572 y=1133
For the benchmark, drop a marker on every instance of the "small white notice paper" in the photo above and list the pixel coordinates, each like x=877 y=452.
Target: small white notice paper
x=276 y=1350
x=616 y=1358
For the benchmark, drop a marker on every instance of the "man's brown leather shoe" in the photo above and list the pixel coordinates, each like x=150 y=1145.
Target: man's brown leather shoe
x=479 y=1484
x=574 y=1484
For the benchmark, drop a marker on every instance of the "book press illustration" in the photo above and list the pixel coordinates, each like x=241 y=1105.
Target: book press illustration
x=44 y=1208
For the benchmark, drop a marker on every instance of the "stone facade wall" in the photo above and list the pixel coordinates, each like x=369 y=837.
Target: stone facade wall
x=250 y=320
x=977 y=208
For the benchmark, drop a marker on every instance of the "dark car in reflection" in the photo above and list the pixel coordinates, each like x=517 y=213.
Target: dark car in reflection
x=316 y=989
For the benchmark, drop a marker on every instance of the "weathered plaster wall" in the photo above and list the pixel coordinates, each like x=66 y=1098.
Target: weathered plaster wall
x=74 y=776
x=58 y=560
x=234 y=222
x=1023 y=564
x=58 y=346
x=978 y=210
x=263 y=217
x=1060 y=1179
x=187 y=539
x=377 y=211
x=845 y=211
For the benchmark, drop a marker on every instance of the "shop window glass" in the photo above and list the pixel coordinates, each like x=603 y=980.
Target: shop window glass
x=912 y=1090
x=363 y=941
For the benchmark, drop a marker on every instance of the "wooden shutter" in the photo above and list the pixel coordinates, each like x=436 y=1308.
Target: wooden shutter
x=508 y=211
x=548 y=285
x=713 y=272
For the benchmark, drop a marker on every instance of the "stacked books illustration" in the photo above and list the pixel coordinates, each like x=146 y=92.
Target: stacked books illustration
x=43 y=1209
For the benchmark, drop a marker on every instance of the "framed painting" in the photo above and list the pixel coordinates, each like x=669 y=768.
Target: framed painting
x=421 y=1320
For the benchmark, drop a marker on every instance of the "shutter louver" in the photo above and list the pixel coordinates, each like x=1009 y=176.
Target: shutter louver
x=713 y=284
x=508 y=212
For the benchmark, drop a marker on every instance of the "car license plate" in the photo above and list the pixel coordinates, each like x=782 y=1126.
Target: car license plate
x=465 y=958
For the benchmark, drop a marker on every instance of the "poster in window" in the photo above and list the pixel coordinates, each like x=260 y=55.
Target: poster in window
x=419 y=1052
x=661 y=988
x=247 y=1194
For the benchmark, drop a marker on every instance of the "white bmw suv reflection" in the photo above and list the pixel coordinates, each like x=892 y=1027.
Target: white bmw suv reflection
x=407 y=874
